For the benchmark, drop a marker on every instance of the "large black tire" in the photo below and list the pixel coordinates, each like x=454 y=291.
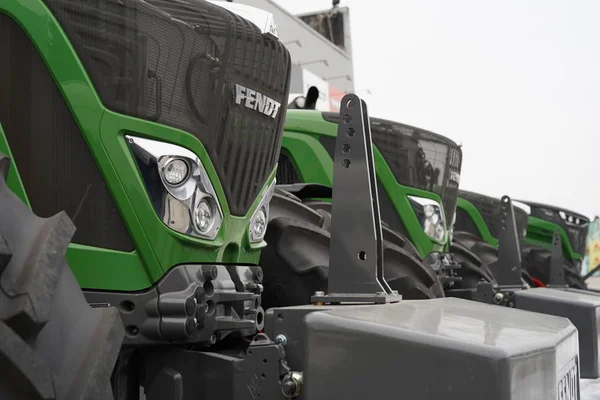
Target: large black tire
x=485 y=257
x=324 y=208
x=472 y=269
x=475 y=256
x=536 y=261
x=296 y=259
x=53 y=345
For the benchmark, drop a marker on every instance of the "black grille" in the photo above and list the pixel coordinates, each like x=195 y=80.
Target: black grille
x=286 y=171
x=178 y=63
x=54 y=162
x=419 y=159
x=489 y=208
x=576 y=225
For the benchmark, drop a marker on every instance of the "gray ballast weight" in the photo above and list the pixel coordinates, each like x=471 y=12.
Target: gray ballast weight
x=580 y=307
x=434 y=349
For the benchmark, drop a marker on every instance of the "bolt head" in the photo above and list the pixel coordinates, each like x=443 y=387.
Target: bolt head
x=319 y=293
x=281 y=339
x=291 y=384
x=498 y=297
x=289 y=387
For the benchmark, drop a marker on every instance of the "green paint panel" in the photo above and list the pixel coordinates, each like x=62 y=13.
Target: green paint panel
x=472 y=211
x=539 y=233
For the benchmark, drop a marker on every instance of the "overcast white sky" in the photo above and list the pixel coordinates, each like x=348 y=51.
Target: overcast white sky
x=517 y=82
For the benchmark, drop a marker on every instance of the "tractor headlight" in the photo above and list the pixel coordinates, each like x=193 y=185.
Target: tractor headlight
x=175 y=171
x=430 y=215
x=260 y=218
x=204 y=216
x=179 y=187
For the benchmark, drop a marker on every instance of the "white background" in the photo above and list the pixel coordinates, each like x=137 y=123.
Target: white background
x=517 y=82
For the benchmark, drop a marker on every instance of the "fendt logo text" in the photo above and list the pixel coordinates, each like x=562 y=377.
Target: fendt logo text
x=568 y=386
x=256 y=101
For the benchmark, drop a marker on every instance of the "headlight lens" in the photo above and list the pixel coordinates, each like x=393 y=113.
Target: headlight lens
x=431 y=217
x=181 y=192
x=175 y=171
x=259 y=224
x=204 y=217
x=439 y=232
x=260 y=218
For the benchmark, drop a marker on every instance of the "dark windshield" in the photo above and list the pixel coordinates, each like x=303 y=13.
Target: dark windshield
x=418 y=158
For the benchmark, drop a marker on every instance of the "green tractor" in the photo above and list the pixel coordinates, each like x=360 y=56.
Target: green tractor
x=477 y=227
x=139 y=119
x=418 y=174
x=155 y=127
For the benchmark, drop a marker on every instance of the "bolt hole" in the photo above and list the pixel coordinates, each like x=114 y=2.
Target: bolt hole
x=132 y=330
x=350 y=103
x=210 y=307
x=347 y=118
x=280 y=317
x=209 y=289
x=265 y=360
x=256 y=303
x=259 y=318
x=249 y=351
x=350 y=132
x=345 y=148
x=362 y=255
x=263 y=375
x=345 y=163
x=127 y=306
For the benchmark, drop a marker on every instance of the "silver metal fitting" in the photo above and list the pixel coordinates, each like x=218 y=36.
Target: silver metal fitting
x=281 y=339
x=291 y=384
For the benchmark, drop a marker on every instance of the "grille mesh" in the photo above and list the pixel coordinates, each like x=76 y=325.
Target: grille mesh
x=178 y=63
x=54 y=162
x=489 y=208
x=286 y=171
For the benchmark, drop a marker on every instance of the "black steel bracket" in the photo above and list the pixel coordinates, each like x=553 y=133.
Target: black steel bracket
x=588 y=275
x=507 y=268
x=356 y=248
x=557 y=272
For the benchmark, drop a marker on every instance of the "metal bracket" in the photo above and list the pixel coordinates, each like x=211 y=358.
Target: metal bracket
x=557 y=271
x=356 y=248
x=507 y=269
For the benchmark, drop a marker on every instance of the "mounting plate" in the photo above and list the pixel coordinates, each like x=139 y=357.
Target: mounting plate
x=507 y=269
x=356 y=248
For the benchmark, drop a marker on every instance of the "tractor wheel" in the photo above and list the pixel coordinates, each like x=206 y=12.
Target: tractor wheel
x=296 y=260
x=324 y=208
x=473 y=269
x=536 y=261
x=484 y=252
x=53 y=345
